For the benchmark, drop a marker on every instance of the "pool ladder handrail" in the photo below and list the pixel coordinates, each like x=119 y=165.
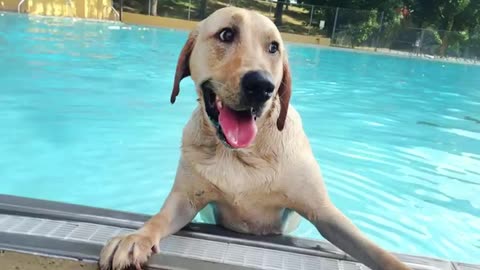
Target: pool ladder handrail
x=20 y=5
x=69 y=4
x=115 y=12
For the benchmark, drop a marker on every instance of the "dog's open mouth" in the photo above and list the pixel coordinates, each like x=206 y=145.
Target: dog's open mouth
x=237 y=129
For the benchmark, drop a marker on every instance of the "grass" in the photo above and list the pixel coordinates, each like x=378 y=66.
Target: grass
x=295 y=19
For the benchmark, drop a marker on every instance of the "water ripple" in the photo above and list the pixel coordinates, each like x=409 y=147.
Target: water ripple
x=85 y=109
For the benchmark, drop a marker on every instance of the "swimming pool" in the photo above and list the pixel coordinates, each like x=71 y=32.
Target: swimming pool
x=85 y=118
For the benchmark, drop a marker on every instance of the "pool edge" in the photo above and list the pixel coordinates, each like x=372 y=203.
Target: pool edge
x=202 y=233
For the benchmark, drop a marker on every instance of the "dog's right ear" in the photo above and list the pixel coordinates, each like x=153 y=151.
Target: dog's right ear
x=284 y=92
x=183 y=69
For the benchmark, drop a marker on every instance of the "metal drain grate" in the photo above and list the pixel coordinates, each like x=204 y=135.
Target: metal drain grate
x=196 y=248
x=201 y=249
x=240 y=255
x=462 y=266
x=74 y=231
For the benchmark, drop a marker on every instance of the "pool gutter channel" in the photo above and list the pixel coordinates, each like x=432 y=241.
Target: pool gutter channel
x=81 y=232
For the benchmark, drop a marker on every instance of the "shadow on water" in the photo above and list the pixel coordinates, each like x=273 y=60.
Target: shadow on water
x=472 y=119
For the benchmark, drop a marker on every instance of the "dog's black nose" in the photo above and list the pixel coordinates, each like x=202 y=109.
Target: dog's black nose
x=257 y=86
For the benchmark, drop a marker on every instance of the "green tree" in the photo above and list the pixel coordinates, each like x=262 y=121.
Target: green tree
x=202 y=11
x=360 y=19
x=279 y=11
x=472 y=45
x=359 y=26
x=453 y=21
x=469 y=18
x=446 y=15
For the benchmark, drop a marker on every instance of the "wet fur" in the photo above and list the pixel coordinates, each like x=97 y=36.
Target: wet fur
x=263 y=189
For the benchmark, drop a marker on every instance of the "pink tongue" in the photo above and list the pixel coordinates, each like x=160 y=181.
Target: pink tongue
x=239 y=128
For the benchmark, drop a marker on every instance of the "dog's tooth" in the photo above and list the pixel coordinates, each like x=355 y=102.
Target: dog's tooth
x=218 y=103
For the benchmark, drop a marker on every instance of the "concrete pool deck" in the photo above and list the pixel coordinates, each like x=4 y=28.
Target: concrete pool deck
x=37 y=234
x=315 y=40
x=307 y=40
x=10 y=260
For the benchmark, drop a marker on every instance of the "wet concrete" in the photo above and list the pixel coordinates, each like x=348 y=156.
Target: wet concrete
x=19 y=261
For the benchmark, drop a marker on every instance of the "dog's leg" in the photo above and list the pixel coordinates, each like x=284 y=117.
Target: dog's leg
x=341 y=232
x=133 y=250
x=313 y=204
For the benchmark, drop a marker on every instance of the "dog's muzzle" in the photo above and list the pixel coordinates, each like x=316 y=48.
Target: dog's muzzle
x=236 y=123
x=257 y=88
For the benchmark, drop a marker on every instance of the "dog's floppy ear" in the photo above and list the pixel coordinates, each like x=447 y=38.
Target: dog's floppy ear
x=284 y=93
x=183 y=69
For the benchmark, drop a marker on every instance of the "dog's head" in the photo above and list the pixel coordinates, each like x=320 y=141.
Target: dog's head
x=239 y=65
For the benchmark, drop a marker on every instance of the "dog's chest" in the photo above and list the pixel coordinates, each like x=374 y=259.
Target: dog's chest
x=251 y=212
x=250 y=215
x=234 y=173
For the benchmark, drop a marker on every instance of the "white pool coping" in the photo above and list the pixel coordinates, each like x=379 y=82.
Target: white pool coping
x=79 y=232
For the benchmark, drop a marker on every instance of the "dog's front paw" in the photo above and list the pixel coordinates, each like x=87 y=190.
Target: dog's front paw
x=129 y=251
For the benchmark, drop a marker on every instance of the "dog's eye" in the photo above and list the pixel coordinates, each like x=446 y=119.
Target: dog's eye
x=226 y=35
x=273 y=47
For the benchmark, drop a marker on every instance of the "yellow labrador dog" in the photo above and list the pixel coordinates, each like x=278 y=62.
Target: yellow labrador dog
x=242 y=153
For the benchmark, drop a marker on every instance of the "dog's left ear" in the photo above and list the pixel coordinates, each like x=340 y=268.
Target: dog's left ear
x=183 y=69
x=284 y=93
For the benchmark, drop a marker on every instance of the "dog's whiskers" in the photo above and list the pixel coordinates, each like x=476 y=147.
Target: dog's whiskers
x=219 y=85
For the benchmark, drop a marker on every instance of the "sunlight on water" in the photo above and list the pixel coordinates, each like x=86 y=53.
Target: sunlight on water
x=85 y=118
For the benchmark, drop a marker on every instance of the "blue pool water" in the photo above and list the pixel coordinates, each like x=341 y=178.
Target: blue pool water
x=85 y=118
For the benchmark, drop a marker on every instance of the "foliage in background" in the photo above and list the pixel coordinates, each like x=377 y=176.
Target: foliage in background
x=453 y=21
x=450 y=27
